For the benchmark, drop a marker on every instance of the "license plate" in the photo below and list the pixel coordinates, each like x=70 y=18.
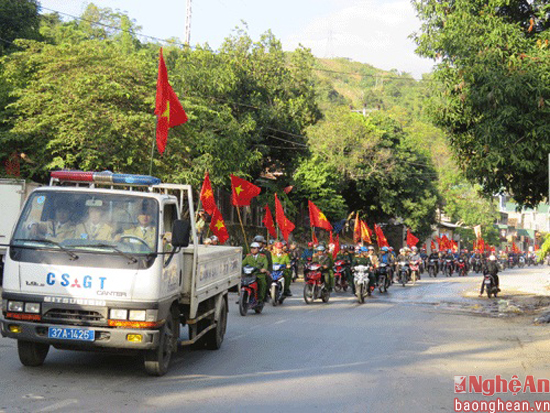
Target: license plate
x=487 y=281
x=71 y=334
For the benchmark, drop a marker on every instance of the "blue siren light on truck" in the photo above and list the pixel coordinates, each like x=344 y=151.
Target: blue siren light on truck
x=106 y=177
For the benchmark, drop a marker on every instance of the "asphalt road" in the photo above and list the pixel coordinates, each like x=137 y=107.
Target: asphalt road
x=395 y=353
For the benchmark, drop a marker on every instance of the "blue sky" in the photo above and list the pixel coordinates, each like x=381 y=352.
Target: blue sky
x=367 y=31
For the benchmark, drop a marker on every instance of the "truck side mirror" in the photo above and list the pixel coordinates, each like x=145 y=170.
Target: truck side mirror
x=181 y=230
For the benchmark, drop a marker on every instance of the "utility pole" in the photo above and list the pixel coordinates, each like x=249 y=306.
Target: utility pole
x=188 y=24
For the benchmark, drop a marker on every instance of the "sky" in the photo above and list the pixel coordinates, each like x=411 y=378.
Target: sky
x=367 y=31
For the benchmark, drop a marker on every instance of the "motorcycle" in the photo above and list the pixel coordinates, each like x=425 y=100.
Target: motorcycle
x=362 y=282
x=511 y=262
x=503 y=263
x=403 y=269
x=294 y=269
x=340 y=282
x=448 y=267
x=248 y=297
x=490 y=285
x=461 y=268
x=432 y=268
x=384 y=277
x=521 y=262
x=414 y=267
x=477 y=267
x=314 y=287
x=278 y=284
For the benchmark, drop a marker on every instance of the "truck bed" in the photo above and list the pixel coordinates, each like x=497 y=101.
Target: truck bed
x=218 y=269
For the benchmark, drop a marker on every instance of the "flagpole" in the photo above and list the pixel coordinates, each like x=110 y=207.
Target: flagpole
x=153 y=151
x=242 y=227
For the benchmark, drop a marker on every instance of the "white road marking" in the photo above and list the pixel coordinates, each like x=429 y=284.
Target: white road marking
x=58 y=406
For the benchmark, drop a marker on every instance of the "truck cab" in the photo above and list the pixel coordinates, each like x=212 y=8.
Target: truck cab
x=102 y=261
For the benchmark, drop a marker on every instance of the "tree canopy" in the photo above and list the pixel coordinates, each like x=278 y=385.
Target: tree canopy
x=81 y=95
x=494 y=79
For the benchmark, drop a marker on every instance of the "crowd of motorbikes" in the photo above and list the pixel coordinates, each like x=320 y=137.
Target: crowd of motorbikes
x=365 y=279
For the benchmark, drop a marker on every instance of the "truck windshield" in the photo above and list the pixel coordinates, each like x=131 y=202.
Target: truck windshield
x=117 y=224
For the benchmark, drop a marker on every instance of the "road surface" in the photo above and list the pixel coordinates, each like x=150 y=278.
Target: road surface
x=395 y=353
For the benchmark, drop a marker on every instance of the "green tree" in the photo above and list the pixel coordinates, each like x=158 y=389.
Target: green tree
x=494 y=78
x=19 y=19
x=377 y=166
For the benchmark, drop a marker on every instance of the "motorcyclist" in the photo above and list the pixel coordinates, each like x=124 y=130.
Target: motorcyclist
x=258 y=260
x=364 y=258
x=321 y=257
x=294 y=254
x=434 y=256
x=415 y=256
x=492 y=268
x=386 y=258
x=464 y=256
x=449 y=256
x=280 y=257
x=344 y=255
x=261 y=241
x=307 y=256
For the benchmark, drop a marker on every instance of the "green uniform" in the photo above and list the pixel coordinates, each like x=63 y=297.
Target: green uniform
x=287 y=273
x=347 y=269
x=326 y=259
x=361 y=260
x=258 y=261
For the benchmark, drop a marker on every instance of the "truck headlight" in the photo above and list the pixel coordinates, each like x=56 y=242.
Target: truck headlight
x=137 y=315
x=15 y=306
x=33 y=308
x=118 y=314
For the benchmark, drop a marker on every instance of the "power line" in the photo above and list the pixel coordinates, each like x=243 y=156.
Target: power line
x=187 y=45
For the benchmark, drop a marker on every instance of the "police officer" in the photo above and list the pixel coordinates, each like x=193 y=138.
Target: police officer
x=258 y=260
x=321 y=257
x=363 y=258
x=306 y=256
x=261 y=241
x=280 y=257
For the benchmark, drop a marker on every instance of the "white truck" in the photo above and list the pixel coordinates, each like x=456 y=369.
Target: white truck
x=102 y=261
x=13 y=193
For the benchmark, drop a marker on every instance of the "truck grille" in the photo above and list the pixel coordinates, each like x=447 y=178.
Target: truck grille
x=63 y=316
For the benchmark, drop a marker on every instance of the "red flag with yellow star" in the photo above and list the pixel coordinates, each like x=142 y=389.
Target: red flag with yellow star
x=365 y=232
x=380 y=238
x=357 y=229
x=207 y=196
x=168 y=108
x=217 y=226
x=317 y=218
x=411 y=239
x=243 y=191
x=268 y=222
x=283 y=222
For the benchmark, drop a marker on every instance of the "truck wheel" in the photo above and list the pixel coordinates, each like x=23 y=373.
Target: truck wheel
x=214 y=337
x=32 y=354
x=157 y=361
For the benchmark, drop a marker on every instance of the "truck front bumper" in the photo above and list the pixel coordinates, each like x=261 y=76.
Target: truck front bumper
x=105 y=337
